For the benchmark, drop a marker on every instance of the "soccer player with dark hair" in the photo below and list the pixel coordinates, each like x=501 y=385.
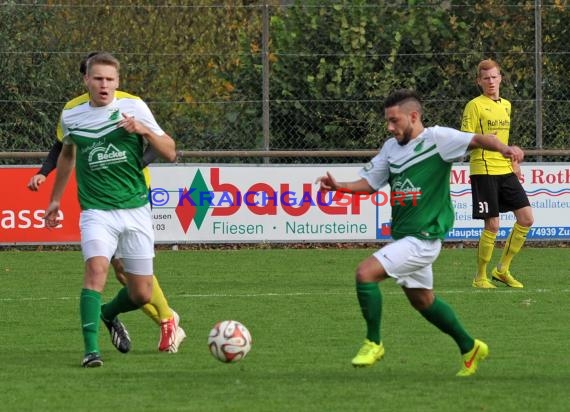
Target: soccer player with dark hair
x=417 y=159
x=495 y=186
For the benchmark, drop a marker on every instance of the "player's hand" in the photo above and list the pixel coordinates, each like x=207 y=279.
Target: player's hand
x=327 y=182
x=51 y=215
x=514 y=153
x=35 y=182
x=131 y=125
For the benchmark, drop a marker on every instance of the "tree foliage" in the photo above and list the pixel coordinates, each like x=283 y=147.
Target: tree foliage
x=331 y=64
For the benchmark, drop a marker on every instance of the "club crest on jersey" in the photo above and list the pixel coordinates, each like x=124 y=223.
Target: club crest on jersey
x=419 y=146
x=114 y=114
x=100 y=157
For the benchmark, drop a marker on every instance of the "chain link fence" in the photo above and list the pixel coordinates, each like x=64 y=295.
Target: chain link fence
x=285 y=76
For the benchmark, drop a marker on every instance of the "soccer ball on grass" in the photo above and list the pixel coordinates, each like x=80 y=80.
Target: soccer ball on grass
x=229 y=341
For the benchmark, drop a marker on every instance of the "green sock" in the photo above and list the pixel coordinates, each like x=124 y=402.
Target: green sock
x=370 y=300
x=443 y=317
x=121 y=303
x=89 y=309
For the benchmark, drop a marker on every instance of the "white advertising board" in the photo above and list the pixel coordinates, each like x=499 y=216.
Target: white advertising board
x=253 y=204
x=227 y=203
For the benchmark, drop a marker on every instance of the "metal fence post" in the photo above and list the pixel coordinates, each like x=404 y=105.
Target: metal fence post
x=265 y=80
x=538 y=72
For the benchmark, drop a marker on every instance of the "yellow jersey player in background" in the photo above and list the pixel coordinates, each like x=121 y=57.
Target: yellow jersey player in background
x=158 y=309
x=495 y=184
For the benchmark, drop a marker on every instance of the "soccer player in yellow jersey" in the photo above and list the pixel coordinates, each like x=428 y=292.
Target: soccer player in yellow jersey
x=495 y=185
x=158 y=308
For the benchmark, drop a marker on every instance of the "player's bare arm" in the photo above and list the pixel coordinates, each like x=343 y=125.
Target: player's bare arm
x=490 y=142
x=65 y=165
x=163 y=145
x=329 y=183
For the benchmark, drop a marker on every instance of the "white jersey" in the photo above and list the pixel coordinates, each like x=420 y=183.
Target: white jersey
x=419 y=176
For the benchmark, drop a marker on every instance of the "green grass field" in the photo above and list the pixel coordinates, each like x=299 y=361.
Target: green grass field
x=301 y=309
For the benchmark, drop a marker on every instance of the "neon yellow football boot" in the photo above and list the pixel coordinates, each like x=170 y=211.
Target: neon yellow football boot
x=471 y=359
x=506 y=278
x=483 y=283
x=368 y=354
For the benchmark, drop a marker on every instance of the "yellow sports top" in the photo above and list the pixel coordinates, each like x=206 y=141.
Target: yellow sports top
x=483 y=115
x=85 y=98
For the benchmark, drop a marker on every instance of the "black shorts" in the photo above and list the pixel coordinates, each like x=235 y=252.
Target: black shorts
x=494 y=194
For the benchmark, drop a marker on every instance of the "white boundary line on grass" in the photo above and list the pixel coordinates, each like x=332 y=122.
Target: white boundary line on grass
x=290 y=294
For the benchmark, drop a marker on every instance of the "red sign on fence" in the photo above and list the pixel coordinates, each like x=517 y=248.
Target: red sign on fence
x=22 y=211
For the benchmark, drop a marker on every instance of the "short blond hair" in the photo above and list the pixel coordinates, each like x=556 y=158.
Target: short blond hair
x=103 y=58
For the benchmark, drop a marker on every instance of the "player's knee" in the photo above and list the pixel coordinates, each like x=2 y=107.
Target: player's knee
x=419 y=305
x=360 y=274
x=492 y=225
x=420 y=302
x=95 y=274
x=140 y=296
x=525 y=221
x=365 y=273
x=420 y=299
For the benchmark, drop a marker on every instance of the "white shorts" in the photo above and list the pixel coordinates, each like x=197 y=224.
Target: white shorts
x=409 y=261
x=125 y=233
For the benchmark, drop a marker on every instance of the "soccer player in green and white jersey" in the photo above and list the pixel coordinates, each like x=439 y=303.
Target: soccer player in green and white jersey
x=495 y=186
x=158 y=309
x=416 y=163
x=104 y=138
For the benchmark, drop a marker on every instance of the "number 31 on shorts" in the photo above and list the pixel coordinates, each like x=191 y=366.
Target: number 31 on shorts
x=483 y=207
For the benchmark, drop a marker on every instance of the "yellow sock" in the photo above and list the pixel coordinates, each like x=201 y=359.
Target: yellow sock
x=513 y=245
x=157 y=309
x=485 y=252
